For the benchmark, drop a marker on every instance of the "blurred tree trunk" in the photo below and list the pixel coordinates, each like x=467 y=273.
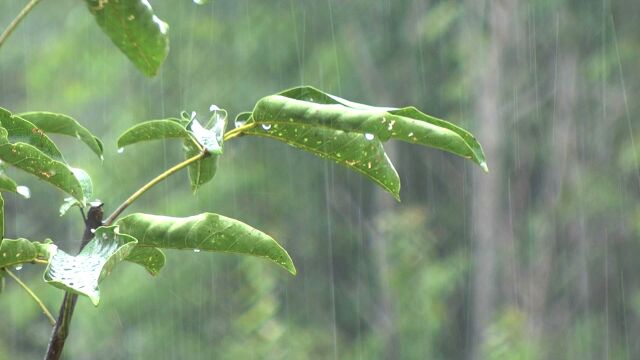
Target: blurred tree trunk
x=487 y=218
x=562 y=154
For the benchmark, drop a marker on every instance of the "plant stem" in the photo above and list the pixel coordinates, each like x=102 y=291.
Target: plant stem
x=46 y=311
x=61 y=328
x=237 y=131
x=12 y=26
x=149 y=185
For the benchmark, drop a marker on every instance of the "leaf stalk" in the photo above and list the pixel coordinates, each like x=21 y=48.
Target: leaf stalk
x=15 y=22
x=151 y=184
x=35 y=297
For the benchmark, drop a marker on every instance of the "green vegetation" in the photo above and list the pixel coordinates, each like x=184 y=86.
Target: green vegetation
x=532 y=260
x=338 y=129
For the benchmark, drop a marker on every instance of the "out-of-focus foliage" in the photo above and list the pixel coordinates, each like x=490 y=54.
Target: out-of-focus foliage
x=370 y=285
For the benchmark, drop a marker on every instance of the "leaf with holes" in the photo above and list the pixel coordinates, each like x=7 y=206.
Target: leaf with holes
x=82 y=273
x=64 y=125
x=135 y=30
x=206 y=232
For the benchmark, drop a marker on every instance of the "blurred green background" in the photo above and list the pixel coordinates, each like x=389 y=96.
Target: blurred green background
x=535 y=260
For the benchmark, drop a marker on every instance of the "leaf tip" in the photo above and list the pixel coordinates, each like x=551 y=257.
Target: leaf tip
x=292 y=269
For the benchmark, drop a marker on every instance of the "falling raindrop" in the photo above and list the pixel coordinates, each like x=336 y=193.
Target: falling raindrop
x=120 y=150
x=196 y=250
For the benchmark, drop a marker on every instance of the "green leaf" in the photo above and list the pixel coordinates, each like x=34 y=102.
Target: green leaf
x=82 y=273
x=311 y=107
x=135 y=30
x=153 y=130
x=150 y=258
x=18 y=251
x=201 y=171
x=87 y=190
x=207 y=232
x=1 y=218
x=64 y=125
x=7 y=184
x=210 y=137
x=21 y=130
x=35 y=162
x=352 y=150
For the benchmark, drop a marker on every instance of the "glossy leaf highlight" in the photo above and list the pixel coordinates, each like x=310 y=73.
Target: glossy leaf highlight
x=135 y=30
x=35 y=162
x=64 y=125
x=153 y=130
x=18 y=251
x=206 y=232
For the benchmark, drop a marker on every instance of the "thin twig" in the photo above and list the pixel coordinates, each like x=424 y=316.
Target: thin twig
x=238 y=131
x=12 y=26
x=46 y=311
x=149 y=185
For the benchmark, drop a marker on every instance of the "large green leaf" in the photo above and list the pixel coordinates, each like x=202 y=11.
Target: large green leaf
x=18 y=251
x=64 y=125
x=153 y=130
x=35 y=162
x=82 y=273
x=207 y=232
x=21 y=130
x=311 y=107
x=353 y=150
x=150 y=258
x=135 y=30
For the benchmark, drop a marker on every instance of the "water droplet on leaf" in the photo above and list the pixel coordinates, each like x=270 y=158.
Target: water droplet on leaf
x=196 y=250
x=18 y=267
x=120 y=150
x=266 y=126
x=24 y=191
x=369 y=136
x=239 y=122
